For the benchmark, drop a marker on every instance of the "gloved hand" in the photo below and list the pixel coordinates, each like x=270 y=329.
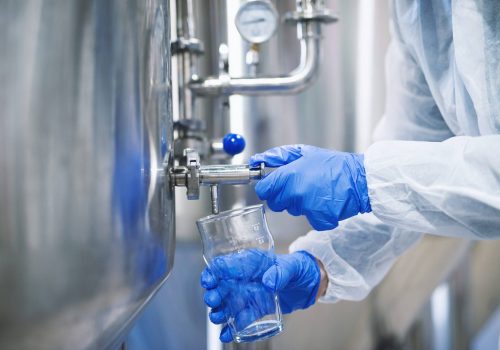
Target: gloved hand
x=240 y=287
x=325 y=186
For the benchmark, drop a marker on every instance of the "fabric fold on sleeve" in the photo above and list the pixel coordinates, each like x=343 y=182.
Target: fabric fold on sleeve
x=449 y=188
x=356 y=255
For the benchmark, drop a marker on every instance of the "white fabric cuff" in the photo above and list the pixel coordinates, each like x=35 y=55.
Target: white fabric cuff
x=344 y=282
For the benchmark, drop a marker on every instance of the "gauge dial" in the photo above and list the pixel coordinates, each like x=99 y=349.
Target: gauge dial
x=257 y=21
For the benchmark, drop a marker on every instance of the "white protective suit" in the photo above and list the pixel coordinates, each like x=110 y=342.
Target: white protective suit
x=439 y=171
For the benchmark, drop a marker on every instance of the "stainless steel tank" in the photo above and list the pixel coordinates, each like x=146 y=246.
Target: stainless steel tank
x=86 y=223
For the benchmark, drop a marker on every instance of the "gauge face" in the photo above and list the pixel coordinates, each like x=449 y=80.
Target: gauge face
x=257 y=21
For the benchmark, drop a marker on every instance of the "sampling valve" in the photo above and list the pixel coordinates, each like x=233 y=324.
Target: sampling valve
x=193 y=175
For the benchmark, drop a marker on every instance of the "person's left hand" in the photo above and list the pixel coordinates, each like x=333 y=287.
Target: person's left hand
x=246 y=283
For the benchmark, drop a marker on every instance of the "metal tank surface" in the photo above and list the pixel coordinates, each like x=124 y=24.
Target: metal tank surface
x=86 y=222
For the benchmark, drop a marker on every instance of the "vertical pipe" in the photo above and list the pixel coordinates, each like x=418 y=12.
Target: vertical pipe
x=186 y=61
x=364 y=70
x=441 y=315
x=214 y=194
x=190 y=30
x=218 y=33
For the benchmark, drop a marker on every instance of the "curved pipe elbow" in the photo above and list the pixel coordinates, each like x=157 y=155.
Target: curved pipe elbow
x=306 y=73
x=297 y=81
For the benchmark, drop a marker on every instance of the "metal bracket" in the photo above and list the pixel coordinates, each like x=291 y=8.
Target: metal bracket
x=193 y=175
x=191 y=45
x=323 y=16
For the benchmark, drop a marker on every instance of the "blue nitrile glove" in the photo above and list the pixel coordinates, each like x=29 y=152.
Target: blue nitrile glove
x=241 y=286
x=325 y=186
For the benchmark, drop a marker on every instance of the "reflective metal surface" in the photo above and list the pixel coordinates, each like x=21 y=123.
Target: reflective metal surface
x=228 y=174
x=294 y=82
x=86 y=225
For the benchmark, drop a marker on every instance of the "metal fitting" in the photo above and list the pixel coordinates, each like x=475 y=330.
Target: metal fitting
x=323 y=16
x=193 y=175
x=191 y=45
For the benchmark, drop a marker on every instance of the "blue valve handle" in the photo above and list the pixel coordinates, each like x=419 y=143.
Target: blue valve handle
x=233 y=144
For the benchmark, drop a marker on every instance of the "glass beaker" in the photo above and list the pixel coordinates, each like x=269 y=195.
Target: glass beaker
x=238 y=248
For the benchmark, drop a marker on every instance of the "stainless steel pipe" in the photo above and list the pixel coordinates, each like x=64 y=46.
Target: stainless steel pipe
x=299 y=79
x=209 y=175
x=185 y=49
x=229 y=174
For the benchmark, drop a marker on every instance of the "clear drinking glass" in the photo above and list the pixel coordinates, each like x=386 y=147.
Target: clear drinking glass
x=238 y=248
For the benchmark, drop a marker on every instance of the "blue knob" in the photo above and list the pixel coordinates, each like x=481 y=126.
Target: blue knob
x=233 y=144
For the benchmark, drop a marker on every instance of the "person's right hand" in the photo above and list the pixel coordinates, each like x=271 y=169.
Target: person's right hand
x=241 y=286
x=326 y=186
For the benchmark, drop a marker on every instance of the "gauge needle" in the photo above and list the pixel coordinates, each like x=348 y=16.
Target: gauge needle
x=253 y=21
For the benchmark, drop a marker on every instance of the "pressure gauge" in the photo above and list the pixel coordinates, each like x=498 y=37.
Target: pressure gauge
x=257 y=20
